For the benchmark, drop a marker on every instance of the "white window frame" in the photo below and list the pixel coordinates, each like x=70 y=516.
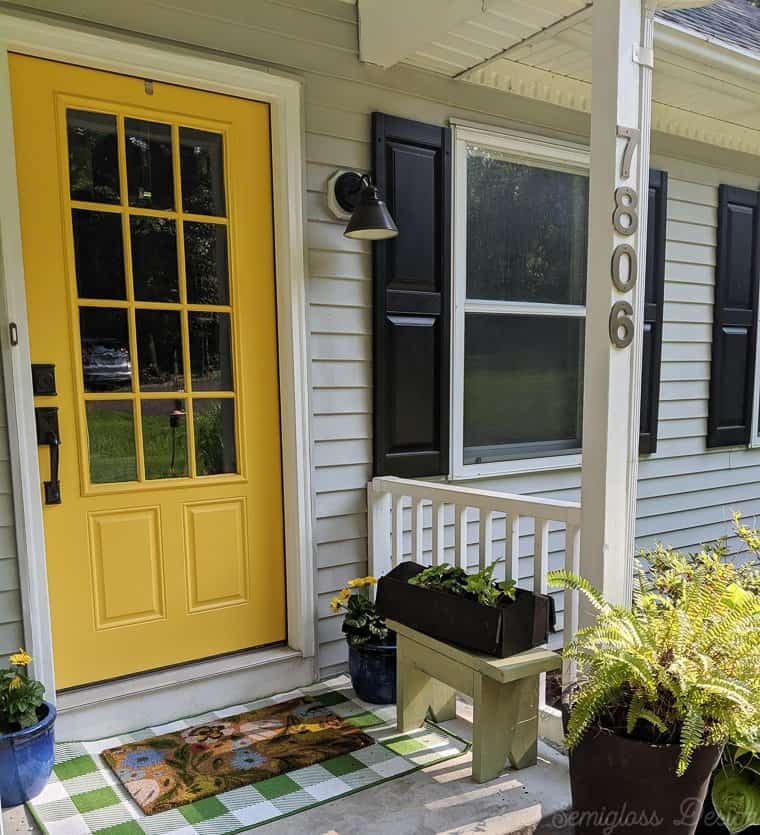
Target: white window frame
x=528 y=149
x=754 y=432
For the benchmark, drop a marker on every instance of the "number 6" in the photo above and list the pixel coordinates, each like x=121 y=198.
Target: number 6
x=620 y=319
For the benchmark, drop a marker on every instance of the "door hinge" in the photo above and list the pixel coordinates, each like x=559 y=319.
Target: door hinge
x=643 y=55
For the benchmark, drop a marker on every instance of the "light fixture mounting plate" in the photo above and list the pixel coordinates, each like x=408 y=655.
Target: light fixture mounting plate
x=343 y=191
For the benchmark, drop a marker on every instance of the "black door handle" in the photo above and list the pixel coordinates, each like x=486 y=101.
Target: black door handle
x=47 y=435
x=53 y=487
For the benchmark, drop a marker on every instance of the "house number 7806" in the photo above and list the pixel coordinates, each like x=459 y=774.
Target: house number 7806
x=625 y=221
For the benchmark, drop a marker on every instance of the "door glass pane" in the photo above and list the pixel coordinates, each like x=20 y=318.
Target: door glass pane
x=202 y=165
x=111 y=435
x=159 y=350
x=522 y=386
x=214 y=424
x=206 y=263
x=98 y=255
x=211 y=351
x=149 y=164
x=526 y=231
x=104 y=337
x=93 y=157
x=154 y=259
x=164 y=431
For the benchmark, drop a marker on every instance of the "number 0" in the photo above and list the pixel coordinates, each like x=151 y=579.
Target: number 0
x=627 y=251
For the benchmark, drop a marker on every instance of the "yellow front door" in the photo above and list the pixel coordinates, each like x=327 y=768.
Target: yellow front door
x=146 y=216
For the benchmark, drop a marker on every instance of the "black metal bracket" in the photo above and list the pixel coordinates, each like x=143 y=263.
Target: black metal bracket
x=43 y=379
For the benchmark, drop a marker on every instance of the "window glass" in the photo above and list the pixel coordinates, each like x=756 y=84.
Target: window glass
x=149 y=164
x=523 y=370
x=93 y=156
x=111 y=441
x=164 y=434
x=214 y=421
x=523 y=379
x=526 y=231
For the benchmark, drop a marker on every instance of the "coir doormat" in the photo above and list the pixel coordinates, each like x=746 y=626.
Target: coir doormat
x=85 y=796
x=170 y=770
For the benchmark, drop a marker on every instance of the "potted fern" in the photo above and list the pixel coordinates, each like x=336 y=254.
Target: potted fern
x=663 y=685
x=733 y=803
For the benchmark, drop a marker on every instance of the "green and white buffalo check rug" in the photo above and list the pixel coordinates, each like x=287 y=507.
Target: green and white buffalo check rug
x=84 y=796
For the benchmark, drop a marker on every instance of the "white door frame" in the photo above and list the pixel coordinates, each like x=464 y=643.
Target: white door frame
x=173 y=65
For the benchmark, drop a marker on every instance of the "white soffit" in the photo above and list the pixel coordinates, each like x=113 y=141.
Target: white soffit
x=499 y=25
x=542 y=49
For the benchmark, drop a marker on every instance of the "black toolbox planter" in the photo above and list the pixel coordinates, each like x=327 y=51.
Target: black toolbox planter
x=493 y=630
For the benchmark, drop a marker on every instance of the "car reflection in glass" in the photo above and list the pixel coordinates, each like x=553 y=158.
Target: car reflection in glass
x=106 y=365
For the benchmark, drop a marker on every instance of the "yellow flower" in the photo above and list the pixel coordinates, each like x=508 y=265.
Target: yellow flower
x=335 y=604
x=15 y=683
x=360 y=582
x=21 y=659
x=344 y=595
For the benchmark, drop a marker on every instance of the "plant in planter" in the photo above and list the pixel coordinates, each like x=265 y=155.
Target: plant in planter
x=473 y=611
x=734 y=800
x=26 y=733
x=663 y=685
x=454 y=580
x=371 y=645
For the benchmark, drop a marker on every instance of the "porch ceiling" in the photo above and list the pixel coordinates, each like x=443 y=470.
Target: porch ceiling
x=704 y=89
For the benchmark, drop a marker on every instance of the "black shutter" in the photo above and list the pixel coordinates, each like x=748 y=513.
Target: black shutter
x=734 y=318
x=411 y=299
x=654 y=292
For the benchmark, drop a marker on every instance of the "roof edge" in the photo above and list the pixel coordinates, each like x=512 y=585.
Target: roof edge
x=708 y=50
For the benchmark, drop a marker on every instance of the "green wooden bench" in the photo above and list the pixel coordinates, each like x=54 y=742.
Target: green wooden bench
x=504 y=692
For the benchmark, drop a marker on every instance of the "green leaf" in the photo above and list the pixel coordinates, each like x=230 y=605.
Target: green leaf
x=736 y=797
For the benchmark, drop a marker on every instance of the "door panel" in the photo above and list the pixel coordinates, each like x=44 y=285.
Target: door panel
x=148 y=252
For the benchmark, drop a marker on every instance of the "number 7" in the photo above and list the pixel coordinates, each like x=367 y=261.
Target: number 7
x=633 y=139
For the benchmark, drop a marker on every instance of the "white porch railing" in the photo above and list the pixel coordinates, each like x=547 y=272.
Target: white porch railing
x=432 y=523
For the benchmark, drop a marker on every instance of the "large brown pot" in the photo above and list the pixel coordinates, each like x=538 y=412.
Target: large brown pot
x=622 y=786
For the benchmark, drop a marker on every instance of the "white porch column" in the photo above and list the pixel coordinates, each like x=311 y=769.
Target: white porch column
x=618 y=189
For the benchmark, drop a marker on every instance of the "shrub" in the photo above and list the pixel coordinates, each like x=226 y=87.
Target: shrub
x=682 y=665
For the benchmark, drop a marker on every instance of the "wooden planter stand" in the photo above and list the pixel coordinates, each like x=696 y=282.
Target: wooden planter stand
x=504 y=693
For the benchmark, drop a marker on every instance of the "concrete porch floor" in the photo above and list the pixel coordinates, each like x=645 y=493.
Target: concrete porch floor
x=439 y=800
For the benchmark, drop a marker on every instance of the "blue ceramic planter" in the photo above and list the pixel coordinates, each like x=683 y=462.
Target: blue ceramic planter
x=373 y=672
x=26 y=760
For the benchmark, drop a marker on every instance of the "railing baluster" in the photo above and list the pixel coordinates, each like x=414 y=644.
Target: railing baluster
x=379 y=531
x=438 y=553
x=541 y=556
x=418 y=528
x=397 y=552
x=486 y=538
x=540 y=585
x=460 y=536
x=512 y=547
x=570 y=625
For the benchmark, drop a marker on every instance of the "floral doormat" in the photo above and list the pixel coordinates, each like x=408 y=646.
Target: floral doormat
x=84 y=795
x=163 y=772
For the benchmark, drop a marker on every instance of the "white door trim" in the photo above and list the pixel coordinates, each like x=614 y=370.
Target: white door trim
x=173 y=65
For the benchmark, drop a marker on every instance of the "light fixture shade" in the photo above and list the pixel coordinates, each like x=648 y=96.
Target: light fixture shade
x=371 y=220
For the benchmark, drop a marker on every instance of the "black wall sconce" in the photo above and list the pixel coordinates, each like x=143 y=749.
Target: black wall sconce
x=354 y=197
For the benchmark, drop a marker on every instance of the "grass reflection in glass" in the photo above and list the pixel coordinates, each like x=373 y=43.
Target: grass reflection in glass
x=112 y=441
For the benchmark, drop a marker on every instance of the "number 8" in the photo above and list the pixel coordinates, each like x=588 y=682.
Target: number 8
x=626 y=205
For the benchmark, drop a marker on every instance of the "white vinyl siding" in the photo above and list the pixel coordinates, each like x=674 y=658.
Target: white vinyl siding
x=11 y=619
x=685 y=494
